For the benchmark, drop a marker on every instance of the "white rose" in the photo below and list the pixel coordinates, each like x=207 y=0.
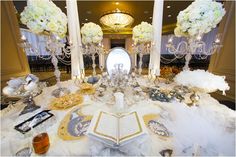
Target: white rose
x=52 y=26
x=200 y=17
x=91 y=33
x=36 y=14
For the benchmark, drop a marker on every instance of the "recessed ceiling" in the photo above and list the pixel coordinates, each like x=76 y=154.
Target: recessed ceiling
x=91 y=11
x=172 y=9
x=140 y=10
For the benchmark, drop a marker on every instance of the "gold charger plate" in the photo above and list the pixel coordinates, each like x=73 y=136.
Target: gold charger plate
x=70 y=131
x=87 y=91
x=86 y=86
x=153 y=117
x=149 y=117
x=66 y=102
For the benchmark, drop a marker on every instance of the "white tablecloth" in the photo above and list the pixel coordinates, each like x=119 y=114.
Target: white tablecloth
x=211 y=126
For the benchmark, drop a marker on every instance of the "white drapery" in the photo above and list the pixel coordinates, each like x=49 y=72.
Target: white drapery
x=77 y=63
x=154 y=64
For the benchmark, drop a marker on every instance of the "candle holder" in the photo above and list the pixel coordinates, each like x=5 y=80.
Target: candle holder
x=57 y=50
x=193 y=46
x=142 y=49
x=92 y=50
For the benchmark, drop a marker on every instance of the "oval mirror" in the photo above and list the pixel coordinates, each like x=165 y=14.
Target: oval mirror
x=118 y=58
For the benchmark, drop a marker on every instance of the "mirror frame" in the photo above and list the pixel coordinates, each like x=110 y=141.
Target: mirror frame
x=130 y=70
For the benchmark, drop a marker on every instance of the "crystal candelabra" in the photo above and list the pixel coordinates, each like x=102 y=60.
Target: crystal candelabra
x=57 y=50
x=93 y=50
x=193 y=46
x=142 y=49
x=119 y=77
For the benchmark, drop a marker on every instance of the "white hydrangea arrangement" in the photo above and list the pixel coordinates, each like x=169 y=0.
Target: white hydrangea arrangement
x=91 y=33
x=198 y=18
x=143 y=33
x=203 y=80
x=44 y=15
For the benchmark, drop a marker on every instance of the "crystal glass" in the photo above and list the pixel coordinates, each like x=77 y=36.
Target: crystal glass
x=41 y=143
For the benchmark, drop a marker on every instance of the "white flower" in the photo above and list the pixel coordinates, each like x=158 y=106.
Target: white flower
x=199 y=18
x=143 y=33
x=44 y=15
x=91 y=33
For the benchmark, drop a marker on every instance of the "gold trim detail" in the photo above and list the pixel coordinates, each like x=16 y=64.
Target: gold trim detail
x=117 y=138
x=128 y=31
x=139 y=125
x=96 y=125
x=63 y=127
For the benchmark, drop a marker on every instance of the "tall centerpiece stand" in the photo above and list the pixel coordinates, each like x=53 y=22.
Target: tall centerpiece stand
x=92 y=50
x=142 y=49
x=192 y=23
x=193 y=46
x=57 y=51
x=196 y=20
x=142 y=37
x=92 y=36
x=51 y=25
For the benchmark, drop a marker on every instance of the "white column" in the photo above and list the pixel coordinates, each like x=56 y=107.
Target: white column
x=106 y=43
x=157 y=17
x=77 y=63
x=107 y=46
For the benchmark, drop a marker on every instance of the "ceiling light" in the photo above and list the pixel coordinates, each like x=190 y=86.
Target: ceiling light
x=116 y=19
x=169 y=15
x=89 y=12
x=117 y=3
x=168 y=6
x=86 y=19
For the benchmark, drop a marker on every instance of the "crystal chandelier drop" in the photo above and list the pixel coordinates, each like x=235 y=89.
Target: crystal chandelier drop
x=194 y=46
x=116 y=20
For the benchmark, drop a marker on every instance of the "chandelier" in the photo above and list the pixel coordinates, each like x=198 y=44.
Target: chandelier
x=116 y=19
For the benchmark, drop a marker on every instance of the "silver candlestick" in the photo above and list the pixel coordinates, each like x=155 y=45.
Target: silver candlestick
x=93 y=50
x=57 y=50
x=193 y=46
x=142 y=49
